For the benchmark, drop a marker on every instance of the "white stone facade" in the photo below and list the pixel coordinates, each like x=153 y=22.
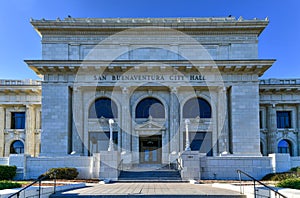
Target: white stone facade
x=20 y=96
x=169 y=61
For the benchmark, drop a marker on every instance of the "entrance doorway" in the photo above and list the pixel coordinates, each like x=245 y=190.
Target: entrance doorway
x=150 y=149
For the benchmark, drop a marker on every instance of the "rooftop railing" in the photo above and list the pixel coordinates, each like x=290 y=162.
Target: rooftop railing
x=19 y=82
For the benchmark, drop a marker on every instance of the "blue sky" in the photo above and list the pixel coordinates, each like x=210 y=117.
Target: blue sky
x=19 y=41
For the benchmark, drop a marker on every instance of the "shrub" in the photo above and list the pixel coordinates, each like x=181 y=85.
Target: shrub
x=296 y=170
x=294 y=173
x=290 y=183
x=7 y=172
x=61 y=173
x=279 y=176
x=8 y=185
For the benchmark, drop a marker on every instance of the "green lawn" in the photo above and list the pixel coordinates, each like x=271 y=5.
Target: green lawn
x=10 y=184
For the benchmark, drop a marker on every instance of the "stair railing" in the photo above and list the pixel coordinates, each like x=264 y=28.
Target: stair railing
x=39 y=180
x=255 y=188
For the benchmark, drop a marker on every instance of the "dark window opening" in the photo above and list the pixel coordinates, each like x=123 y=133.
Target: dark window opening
x=284 y=146
x=260 y=120
x=17 y=147
x=196 y=107
x=18 y=120
x=283 y=119
x=150 y=107
x=199 y=141
x=103 y=107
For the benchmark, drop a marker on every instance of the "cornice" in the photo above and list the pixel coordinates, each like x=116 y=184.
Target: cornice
x=227 y=25
x=255 y=66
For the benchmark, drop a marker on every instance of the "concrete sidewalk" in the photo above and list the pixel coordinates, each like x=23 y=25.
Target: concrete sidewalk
x=149 y=190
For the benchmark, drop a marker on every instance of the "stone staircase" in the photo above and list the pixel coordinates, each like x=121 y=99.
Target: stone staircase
x=150 y=173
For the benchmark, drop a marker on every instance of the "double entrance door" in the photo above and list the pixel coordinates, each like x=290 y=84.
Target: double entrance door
x=150 y=149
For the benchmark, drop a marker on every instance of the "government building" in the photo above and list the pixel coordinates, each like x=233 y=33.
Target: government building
x=122 y=93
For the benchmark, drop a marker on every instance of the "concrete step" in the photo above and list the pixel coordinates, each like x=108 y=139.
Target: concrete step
x=157 y=175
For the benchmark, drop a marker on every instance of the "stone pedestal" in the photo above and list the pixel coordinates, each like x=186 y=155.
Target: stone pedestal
x=281 y=162
x=109 y=164
x=190 y=163
x=127 y=161
x=20 y=161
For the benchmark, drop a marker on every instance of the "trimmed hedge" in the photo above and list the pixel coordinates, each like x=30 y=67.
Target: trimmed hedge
x=9 y=184
x=61 y=173
x=289 y=183
x=7 y=172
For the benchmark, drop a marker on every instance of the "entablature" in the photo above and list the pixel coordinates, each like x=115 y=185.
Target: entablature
x=255 y=66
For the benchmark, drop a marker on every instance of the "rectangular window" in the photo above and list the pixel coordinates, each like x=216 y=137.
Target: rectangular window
x=283 y=119
x=18 y=120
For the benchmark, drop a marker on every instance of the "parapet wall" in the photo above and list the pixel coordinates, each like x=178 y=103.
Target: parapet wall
x=38 y=166
x=226 y=167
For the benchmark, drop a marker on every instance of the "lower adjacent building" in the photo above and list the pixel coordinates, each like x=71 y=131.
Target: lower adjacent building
x=128 y=92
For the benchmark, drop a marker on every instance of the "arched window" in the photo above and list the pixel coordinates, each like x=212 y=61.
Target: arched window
x=196 y=107
x=17 y=147
x=150 y=107
x=284 y=146
x=103 y=107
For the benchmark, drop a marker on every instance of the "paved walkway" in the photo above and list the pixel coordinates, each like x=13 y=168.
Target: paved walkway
x=146 y=189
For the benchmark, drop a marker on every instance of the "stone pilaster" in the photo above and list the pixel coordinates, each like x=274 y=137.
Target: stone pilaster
x=30 y=126
x=222 y=120
x=55 y=108
x=174 y=121
x=77 y=121
x=244 y=112
x=2 y=127
x=125 y=120
x=272 y=129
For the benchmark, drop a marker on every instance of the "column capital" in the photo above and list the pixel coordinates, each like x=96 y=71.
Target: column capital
x=30 y=106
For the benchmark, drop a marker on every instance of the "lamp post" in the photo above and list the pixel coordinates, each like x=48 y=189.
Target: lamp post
x=111 y=144
x=187 y=140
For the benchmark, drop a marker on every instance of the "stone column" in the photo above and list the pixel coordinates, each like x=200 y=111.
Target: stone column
x=125 y=120
x=29 y=131
x=174 y=121
x=272 y=129
x=77 y=121
x=2 y=127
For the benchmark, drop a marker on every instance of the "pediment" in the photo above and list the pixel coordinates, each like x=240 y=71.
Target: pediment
x=150 y=125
